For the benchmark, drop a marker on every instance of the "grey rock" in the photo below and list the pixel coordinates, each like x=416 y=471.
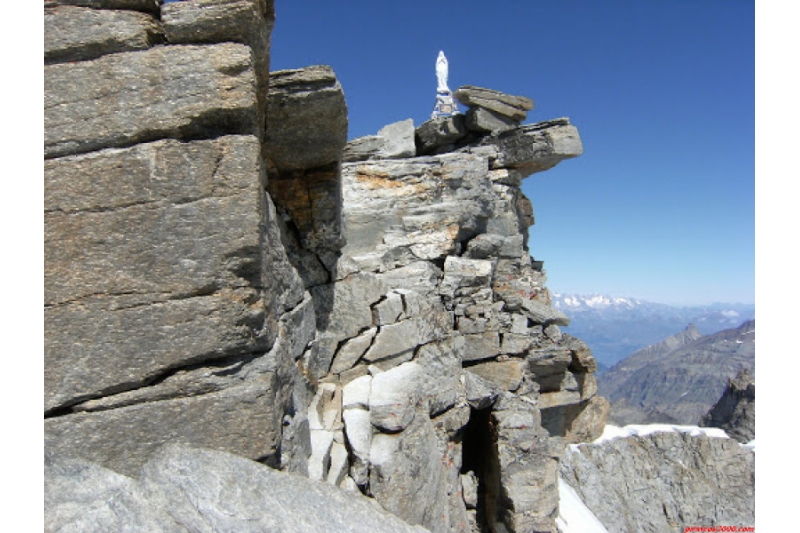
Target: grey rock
x=124 y=274
x=407 y=476
x=481 y=346
x=77 y=33
x=440 y=132
x=82 y=496
x=395 y=339
x=513 y=107
x=362 y=148
x=352 y=351
x=480 y=392
x=186 y=489
x=482 y=120
x=528 y=469
x=506 y=375
x=191 y=91
x=150 y=6
x=389 y=310
x=306 y=119
x=461 y=272
x=447 y=194
x=540 y=313
x=248 y=22
x=664 y=481
x=180 y=193
x=306 y=132
x=393 y=396
x=583 y=421
x=469 y=486
x=398 y=140
x=735 y=412
x=536 y=147
x=440 y=385
x=241 y=420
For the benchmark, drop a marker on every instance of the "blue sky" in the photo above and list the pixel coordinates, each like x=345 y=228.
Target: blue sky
x=661 y=205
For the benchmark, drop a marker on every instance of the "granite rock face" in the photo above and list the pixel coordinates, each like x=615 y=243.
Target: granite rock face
x=664 y=481
x=184 y=489
x=735 y=412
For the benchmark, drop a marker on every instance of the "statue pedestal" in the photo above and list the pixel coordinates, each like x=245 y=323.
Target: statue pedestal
x=445 y=105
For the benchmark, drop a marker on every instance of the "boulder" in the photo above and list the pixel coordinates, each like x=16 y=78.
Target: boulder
x=189 y=489
x=248 y=22
x=306 y=119
x=398 y=140
x=393 y=141
x=164 y=92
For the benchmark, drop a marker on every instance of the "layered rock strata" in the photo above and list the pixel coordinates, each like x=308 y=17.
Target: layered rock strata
x=172 y=312
x=215 y=275
x=664 y=480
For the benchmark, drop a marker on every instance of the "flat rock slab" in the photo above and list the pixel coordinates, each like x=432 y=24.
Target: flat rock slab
x=536 y=147
x=78 y=33
x=132 y=97
x=513 y=107
x=188 y=489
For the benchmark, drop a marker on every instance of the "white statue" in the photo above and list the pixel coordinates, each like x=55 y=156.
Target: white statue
x=441 y=73
x=445 y=105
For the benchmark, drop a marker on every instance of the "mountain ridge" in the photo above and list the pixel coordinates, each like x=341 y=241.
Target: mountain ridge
x=679 y=378
x=615 y=327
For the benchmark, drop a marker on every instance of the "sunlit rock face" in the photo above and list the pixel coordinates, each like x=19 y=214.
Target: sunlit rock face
x=223 y=270
x=659 y=477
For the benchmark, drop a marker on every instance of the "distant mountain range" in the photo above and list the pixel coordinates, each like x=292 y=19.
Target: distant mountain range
x=615 y=327
x=678 y=379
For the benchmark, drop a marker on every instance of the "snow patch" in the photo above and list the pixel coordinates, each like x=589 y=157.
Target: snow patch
x=615 y=432
x=730 y=314
x=573 y=515
x=751 y=445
